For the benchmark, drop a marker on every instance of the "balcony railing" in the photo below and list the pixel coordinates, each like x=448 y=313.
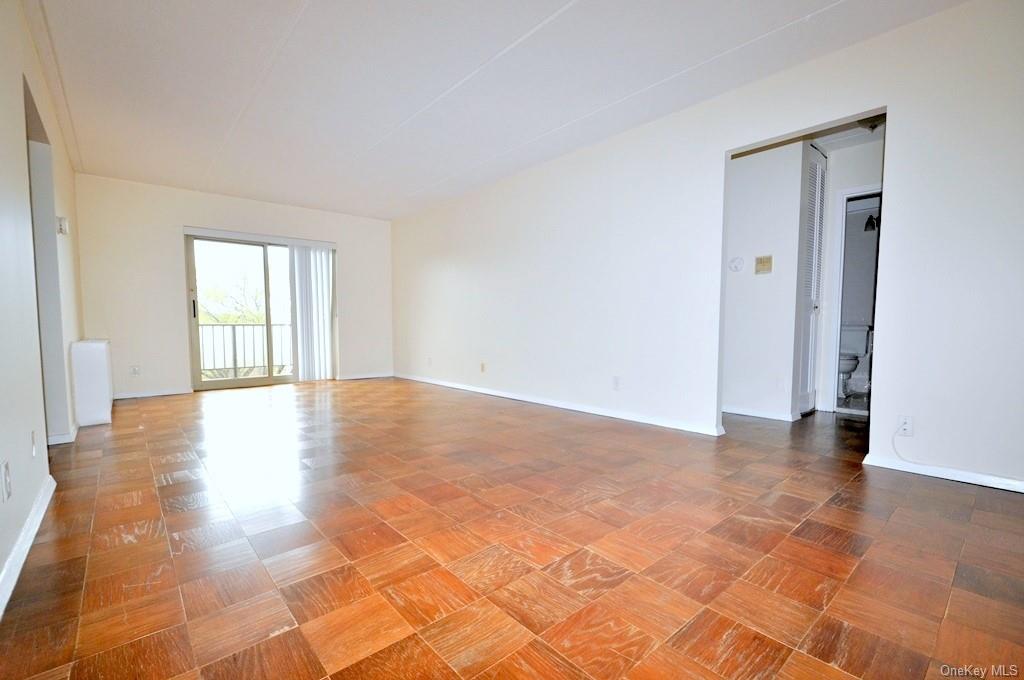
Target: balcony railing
x=239 y=350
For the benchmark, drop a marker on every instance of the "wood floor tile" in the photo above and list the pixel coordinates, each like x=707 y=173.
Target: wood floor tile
x=323 y=593
x=282 y=539
x=807 y=587
x=588 y=573
x=287 y=655
x=990 y=584
x=694 y=579
x=958 y=645
x=859 y=653
x=765 y=611
x=539 y=546
x=128 y=585
x=206 y=536
x=367 y=540
x=580 y=528
x=651 y=607
x=410 y=657
x=222 y=589
x=238 y=626
x=802 y=666
x=113 y=626
x=451 y=543
x=900 y=626
x=221 y=557
x=912 y=560
x=497 y=525
x=394 y=565
x=599 y=641
x=130 y=533
x=991 y=616
x=154 y=657
x=626 y=549
x=664 y=530
x=816 y=558
x=534 y=661
x=300 y=563
x=900 y=588
x=428 y=597
x=729 y=648
x=665 y=663
x=748 y=534
x=490 y=569
x=475 y=637
x=354 y=632
x=34 y=650
x=539 y=510
x=720 y=553
x=465 y=508
x=418 y=524
x=537 y=601
x=270 y=518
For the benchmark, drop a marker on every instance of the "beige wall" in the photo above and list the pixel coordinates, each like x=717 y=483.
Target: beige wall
x=608 y=261
x=133 y=275
x=21 y=399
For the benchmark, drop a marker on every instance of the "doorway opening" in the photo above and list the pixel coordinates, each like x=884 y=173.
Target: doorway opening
x=260 y=313
x=800 y=248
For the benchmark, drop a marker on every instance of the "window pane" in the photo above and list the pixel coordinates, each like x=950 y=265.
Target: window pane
x=280 y=308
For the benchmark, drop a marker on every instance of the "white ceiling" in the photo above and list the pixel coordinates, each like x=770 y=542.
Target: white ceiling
x=379 y=107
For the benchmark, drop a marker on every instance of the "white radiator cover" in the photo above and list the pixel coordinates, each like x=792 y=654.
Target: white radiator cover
x=93 y=382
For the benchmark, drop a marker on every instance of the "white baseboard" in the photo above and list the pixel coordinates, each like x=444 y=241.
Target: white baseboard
x=365 y=376
x=153 y=393
x=952 y=474
x=66 y=438
x=754 y=413
x=15 y=561
x=570 y=406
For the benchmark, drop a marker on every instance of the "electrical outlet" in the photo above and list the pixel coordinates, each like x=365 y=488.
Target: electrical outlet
x=5 y=481
x=135 y=370
x=616 y=383
x=33 y=443
x=905 y=427
x=483 y=367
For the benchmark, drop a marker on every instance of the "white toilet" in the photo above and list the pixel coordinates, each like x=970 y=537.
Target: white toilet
x=853 y=346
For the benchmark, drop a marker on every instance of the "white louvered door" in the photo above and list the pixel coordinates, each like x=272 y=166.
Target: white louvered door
x=812 y=229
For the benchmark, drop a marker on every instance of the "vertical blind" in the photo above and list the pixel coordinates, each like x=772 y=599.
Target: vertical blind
x=313 y=269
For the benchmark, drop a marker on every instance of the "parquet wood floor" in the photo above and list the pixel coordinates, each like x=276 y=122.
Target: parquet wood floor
x=387 y=528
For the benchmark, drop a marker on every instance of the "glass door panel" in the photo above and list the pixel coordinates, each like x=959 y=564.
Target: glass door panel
x=279 y=264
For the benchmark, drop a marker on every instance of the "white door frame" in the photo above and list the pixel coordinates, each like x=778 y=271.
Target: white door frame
x=828 y=377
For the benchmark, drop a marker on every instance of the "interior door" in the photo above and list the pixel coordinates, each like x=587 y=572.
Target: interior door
x=812 y=231
x=239 y=312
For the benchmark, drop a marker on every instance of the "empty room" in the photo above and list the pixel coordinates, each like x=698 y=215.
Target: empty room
x=511 y=339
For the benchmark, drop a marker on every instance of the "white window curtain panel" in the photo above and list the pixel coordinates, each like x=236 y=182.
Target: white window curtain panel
x=313 y=269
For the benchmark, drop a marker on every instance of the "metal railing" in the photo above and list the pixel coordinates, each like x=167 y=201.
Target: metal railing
x=239 y=350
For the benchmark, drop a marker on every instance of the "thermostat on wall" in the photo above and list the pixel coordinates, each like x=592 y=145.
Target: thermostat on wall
x=763 y=264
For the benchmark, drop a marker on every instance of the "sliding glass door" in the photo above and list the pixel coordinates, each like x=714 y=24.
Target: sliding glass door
x=241 y=313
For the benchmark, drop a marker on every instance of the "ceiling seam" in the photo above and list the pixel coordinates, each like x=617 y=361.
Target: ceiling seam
x=261 y=78
x=465 y=79
x=61 y=91
x=659 y=83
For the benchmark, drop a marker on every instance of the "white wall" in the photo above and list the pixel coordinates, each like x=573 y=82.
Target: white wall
x=607 y=261
x=851 y=168
x=133 y=275
x=21 y=396
x=60 y=425
x=762 y=217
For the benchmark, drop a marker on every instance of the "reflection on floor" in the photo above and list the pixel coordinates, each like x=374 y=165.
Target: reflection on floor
x=855 y=402
x=391 y=529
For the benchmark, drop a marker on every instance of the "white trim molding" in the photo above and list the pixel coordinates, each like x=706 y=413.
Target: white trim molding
x=16 y=560
x=365 y=376
x=952 y=474
x=227 y=234
x=153 y=393
x=570 y=406
x=65 y=438
x=770 y=415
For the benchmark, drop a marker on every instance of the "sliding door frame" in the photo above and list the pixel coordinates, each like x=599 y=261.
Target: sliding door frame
x=193 y=319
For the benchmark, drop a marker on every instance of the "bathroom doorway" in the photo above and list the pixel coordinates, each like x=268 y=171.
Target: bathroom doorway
x=862 y=224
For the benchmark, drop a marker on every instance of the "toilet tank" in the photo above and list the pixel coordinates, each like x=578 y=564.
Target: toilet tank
x=854 y=340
